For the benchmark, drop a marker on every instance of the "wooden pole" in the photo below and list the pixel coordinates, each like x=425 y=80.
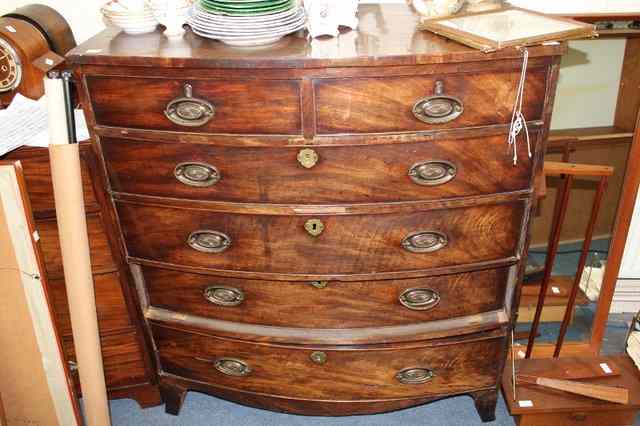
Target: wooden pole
x=602 y=392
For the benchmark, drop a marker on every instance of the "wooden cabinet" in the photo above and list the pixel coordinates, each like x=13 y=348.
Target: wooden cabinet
x=322 y=238
x=127 y=368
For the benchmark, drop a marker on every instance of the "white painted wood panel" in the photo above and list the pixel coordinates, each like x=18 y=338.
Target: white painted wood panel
x=630 y=268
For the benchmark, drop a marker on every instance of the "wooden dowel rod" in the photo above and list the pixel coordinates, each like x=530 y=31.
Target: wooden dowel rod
x=555 y=168
x=586 y=245
x=551 y=256
x=602 y=392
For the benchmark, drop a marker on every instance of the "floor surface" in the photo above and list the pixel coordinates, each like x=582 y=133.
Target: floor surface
x=200 y=409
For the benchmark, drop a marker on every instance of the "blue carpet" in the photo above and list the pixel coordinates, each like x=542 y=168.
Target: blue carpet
x=566 y=264
x=200 y=409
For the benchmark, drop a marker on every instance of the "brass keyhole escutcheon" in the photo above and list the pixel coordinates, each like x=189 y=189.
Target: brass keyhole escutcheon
x=319 y=357
x=320 y=284
x=307 y=158
x=314 y=227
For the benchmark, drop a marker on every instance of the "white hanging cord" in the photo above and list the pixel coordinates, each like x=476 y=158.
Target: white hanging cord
x=518 y=121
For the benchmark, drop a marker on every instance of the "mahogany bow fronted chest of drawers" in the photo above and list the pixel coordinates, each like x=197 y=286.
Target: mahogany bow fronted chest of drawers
x=315 y=233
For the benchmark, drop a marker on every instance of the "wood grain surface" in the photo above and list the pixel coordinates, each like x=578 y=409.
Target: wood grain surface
x=373 y=105
x=241 y=106
x=338 y=305
x=101 y=258
x=280 y=244
x=122 y=358
x=347 y=374
x=111 y=307
x=363 y=173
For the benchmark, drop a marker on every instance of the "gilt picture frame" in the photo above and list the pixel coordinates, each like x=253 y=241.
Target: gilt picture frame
x=494 y=30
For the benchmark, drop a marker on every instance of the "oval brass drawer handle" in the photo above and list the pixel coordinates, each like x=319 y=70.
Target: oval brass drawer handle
x=189 y=111
x=433 y=173
x=419 y=299
x=232 y=367
x=207 y=241
x=425 y=242
x=224 y=296
x=438 y=109
x=197 y=174
x=414 y=376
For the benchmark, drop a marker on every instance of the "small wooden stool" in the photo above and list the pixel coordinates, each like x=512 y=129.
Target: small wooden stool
x=538 y=406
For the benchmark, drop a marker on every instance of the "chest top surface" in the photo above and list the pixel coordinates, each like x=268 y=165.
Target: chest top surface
x=387 y=35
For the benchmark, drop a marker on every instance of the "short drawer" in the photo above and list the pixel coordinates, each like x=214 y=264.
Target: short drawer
x=101 y=258
x=418 y=103
x=122 y=357
x=333 y=174
x=327 y=304
x=210 y=106
x=111 y=307
x=341 y=244
x=37 y=174
x=422 y=369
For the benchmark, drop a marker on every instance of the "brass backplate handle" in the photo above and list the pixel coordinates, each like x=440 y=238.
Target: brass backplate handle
x=207 y=241
x=308 y=158
x=197 y=174
x=433 y=172
x=223 y=296
x=439 y=108
x=189 y=111
x=232 y=367
x=419 y=299
x=314 y=227
x=414 y=376
x=425 y=242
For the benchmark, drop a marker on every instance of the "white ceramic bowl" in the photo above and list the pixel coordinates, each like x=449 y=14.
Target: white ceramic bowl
x=131 y=23
x=437 y=8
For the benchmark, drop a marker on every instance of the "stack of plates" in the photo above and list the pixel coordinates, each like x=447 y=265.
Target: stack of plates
x=246 y=22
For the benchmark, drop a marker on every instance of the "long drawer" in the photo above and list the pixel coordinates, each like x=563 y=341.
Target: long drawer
x=341 y=244
x=322 y=304
x=417 y=103
x=334 y=174
x=402 y=371
x=226 y=106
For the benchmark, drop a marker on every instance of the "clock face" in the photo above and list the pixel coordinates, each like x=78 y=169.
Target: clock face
x=10 y=67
